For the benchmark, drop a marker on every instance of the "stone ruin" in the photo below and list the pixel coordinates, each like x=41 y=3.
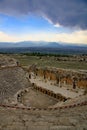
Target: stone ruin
x=15 y=80
x=7 y=61
x=63 y=77
x=73 y=82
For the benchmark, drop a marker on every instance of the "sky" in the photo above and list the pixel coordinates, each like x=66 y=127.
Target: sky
x=43 y=20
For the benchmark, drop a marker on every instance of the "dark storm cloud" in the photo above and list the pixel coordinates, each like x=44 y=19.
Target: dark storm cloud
x=65 y=12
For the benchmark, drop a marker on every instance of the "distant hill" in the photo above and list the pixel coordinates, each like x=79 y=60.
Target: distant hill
x=40 y=44
x=54 y=44
x=5 y=45
x=29 y=44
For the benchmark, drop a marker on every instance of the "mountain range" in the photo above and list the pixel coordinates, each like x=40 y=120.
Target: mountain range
x=40 y=44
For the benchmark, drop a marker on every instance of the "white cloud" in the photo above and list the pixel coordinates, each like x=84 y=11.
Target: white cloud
x=75 y=37
x=57 y=25
x=46 y=18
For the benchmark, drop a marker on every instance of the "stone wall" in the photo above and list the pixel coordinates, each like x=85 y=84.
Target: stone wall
x=57 y=96
x=64 y=77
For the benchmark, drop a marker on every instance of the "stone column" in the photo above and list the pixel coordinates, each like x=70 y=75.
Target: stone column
x=74 y=83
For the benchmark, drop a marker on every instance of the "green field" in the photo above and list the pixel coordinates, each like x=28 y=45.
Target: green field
x=49 y=61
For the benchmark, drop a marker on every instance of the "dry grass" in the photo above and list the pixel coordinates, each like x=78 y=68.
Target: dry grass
x=50 y=62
